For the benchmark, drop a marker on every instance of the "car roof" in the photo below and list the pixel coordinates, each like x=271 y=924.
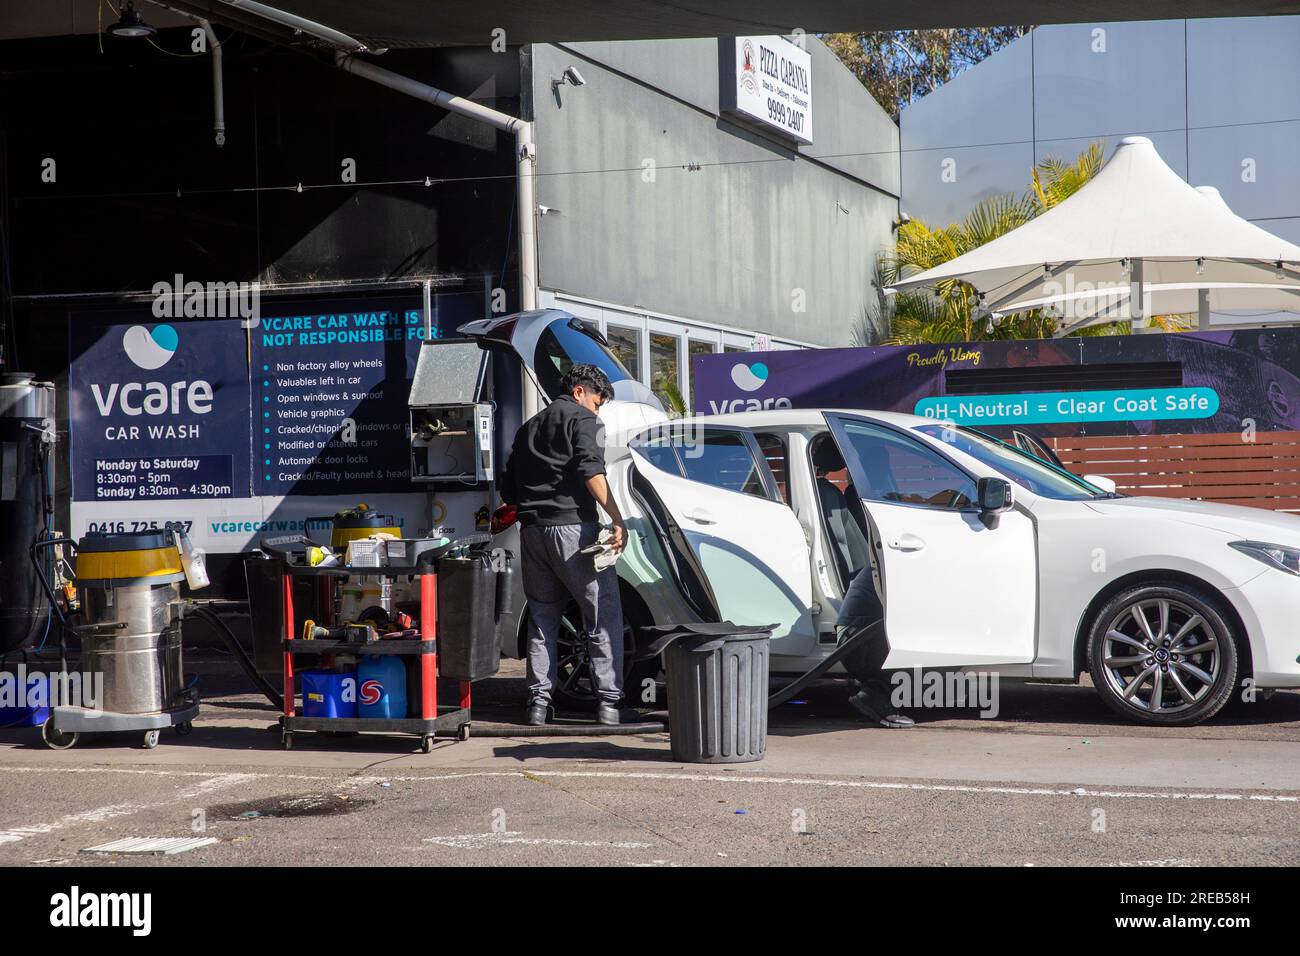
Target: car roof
x=800 y=417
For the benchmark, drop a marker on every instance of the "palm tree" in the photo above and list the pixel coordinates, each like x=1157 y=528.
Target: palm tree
x=949 y=312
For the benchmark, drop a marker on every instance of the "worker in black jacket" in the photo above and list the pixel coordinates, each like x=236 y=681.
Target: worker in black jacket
x=555 y=478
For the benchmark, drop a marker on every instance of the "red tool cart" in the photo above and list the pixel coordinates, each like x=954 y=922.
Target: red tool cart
x=448 y=721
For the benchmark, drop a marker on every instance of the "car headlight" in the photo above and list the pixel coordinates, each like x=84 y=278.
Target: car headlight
x=1277 y=555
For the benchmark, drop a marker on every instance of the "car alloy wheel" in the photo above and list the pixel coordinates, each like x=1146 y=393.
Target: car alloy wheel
x=1163 y=654
x=573 y=684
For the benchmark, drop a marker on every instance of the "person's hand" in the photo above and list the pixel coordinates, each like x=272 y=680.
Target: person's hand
x=619 y=541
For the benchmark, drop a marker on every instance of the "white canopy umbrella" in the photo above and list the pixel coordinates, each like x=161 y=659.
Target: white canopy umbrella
x=1135 y=225
x=1086 y=306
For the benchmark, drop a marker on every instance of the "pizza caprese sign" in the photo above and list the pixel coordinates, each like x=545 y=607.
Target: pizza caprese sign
x=768 y=81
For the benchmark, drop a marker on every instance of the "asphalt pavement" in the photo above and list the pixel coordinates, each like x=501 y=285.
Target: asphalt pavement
x=1054 y=778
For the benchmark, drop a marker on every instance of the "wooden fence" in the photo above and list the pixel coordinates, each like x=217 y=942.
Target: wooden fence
x=1263 y=473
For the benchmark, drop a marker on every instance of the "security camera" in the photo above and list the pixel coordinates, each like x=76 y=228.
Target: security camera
x=572 y=75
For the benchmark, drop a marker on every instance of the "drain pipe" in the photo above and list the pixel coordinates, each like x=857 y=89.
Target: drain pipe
x=218 y=84
x=525 y=169
x=218 y=93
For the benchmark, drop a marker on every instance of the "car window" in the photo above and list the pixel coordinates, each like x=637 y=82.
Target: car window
x=1024 y=469
x=773 y=449
x=896 y=468
x=722 y=459
x=565 y=343
x=657 y=447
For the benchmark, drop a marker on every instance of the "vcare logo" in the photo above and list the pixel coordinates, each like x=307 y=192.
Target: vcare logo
x=150 y=349
x=372 y=691
x=749 y=378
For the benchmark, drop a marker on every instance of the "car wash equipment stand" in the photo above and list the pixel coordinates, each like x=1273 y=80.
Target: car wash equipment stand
x=129 y=585
x=434 y=720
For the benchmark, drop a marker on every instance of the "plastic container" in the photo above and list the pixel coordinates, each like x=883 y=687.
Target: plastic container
x=31 y=709
x=381 y=687
x=717 y=693
x=467 y=600
x=329 y=693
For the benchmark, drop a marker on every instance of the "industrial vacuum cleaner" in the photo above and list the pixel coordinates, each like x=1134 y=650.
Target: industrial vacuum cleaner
x=128 y=586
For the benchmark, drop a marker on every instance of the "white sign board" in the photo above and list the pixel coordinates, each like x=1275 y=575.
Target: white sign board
x=768 y=81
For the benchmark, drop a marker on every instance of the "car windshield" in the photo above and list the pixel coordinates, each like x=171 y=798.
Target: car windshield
x=1024 y=469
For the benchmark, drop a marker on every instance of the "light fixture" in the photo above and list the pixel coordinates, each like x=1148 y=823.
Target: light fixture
x=1127 y=265
x=1047 y=270
x=1200 y=265
x=130 y=24
x=1281 y=273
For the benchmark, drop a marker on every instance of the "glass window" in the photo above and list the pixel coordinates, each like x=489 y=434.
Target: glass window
x=657 y=447
x=897 y=468
x=722 y=459
x=625 y=343
x=565 y=343
x=695 y=347
x=664 y=379
x=1024 y=469
x=773 y=449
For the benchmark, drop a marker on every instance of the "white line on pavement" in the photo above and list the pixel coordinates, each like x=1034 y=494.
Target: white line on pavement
x=214 y=781
x=480 y=841
x=345 y=777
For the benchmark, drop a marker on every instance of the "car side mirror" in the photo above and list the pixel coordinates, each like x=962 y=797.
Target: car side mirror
x=994 y=495
x=1101 y=481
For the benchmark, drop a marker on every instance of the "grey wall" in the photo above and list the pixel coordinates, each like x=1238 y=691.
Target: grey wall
x=1210 y=94
x=730 y=242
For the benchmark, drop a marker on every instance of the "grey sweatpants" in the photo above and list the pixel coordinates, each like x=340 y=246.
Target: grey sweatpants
x=555 y=572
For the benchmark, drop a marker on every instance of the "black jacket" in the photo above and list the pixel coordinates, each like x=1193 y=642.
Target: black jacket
x=554 y=454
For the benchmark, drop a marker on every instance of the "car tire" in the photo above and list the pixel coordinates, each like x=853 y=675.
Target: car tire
x=572 y=690
x=1186 y=652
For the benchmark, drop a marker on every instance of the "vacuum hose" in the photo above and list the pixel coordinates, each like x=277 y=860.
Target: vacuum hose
x=789 y=690
x=245 y=664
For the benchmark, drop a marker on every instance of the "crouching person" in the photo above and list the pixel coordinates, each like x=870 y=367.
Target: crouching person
x=860 y=610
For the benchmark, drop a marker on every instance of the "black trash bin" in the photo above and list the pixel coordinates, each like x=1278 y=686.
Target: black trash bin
x=717 y=689
x=467 y=626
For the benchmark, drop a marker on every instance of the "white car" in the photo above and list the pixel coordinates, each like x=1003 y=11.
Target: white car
x=984 y=557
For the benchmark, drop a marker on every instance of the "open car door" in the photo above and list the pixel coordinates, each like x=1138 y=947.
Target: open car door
x=959 y=588
x=737 y=553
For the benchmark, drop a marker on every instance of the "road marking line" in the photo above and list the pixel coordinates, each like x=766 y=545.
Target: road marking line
x=481 y=841
x=344 y=776
x=215 y=781
x=859 y=784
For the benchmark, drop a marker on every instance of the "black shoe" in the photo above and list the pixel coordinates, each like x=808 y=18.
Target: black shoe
x=540 y=714
x=874 y=708
x=611 y=715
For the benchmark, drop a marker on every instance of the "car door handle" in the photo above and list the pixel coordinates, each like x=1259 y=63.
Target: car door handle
x=906 y=542
x=701 y=516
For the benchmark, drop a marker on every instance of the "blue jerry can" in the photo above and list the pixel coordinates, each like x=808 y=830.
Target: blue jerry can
x=381 y=686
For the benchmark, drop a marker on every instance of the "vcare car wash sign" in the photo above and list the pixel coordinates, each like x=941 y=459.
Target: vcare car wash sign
x=158 y=409
x=767 y=81
x=236 y=429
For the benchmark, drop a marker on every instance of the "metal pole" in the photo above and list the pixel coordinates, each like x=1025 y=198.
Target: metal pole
x=526 y=168
x=1136 y=298
x=428 y=310
x=1203 y=309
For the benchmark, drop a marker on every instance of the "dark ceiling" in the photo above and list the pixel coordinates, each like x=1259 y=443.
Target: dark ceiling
x=404 y=23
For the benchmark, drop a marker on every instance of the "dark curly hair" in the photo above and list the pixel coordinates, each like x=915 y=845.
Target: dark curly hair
x=590 y=377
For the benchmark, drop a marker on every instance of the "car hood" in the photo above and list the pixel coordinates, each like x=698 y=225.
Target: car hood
x=1258 y=524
